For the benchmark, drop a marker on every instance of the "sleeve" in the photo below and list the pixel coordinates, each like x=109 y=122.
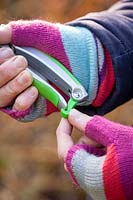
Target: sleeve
x=114 y=29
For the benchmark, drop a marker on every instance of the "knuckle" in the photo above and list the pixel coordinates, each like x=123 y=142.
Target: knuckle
x=6 y=73
x=3 y=71
x=7 y=94
x=20 y=83
x=12 y=67
x=24 y=78
x=11 y=90
x=5 y=53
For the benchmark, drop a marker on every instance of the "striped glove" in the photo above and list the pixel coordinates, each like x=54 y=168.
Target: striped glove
x=75 y=47
x=106 y=174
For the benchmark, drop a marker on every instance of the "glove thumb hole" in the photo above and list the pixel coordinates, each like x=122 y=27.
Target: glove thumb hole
x=97 y=152
x=86 y=140
x=86 y=167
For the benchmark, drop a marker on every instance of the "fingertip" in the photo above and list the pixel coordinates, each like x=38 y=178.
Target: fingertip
x=64 y=126
x=65 y=167
x=78 y=119
x=34 y=91
x=60 y=156
x=26 y=99
x=5 y=34
x=73 y=113
x=64 y=140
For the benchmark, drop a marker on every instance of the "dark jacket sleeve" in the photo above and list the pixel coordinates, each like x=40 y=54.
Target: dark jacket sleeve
x=114 y=27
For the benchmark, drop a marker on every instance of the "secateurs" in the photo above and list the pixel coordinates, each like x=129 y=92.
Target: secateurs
x=45 y=70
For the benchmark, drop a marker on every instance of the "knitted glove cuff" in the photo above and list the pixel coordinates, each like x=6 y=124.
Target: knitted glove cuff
x=107 y=132
x=38 y=109
x=75 y=158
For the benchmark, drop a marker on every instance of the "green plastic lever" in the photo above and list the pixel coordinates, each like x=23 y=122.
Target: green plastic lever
x=46 y=92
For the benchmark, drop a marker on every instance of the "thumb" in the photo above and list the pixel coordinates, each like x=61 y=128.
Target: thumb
x=5 y=34
x=78 y=119
x=97 y=128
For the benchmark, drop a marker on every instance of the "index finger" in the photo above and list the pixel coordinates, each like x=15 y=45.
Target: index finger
x=64 y=140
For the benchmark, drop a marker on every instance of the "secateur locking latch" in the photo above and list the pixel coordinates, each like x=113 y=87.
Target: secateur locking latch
x=45 y=70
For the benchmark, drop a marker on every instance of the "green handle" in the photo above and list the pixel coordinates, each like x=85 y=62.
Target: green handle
x=49 y=94
x=46 y=92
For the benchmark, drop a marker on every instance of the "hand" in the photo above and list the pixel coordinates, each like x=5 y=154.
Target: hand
x=15 y=81
x=59 y=41
x=64 y=131
x=103 y=169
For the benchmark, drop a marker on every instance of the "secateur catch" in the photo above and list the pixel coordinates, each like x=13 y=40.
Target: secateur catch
x=46 y=69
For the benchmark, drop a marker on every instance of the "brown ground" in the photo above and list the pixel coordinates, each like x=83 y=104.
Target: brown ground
x=29 y=167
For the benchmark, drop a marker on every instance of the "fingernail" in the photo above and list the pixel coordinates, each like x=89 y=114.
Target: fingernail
x=32 y=92
x=75 y=116
x=5 y=34
x=21 y=103
x=6 y=53
x=2 y=27
x=78 y=119
x=20 y=61
x=74 y=113
x=24 y=78
x=18 y=106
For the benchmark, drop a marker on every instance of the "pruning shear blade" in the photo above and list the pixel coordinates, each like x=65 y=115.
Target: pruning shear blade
x=45 y=68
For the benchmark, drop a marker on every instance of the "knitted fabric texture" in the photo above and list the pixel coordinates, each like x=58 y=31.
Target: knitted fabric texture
x=104 y=175
x=76 y=48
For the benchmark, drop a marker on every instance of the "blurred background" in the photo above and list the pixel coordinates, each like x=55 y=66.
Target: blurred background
x=29 y=167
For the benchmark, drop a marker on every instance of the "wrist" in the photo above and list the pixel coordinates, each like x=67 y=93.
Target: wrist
x=69 y=160
x=18 y=115
x=76 y=159
x=38 y=109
